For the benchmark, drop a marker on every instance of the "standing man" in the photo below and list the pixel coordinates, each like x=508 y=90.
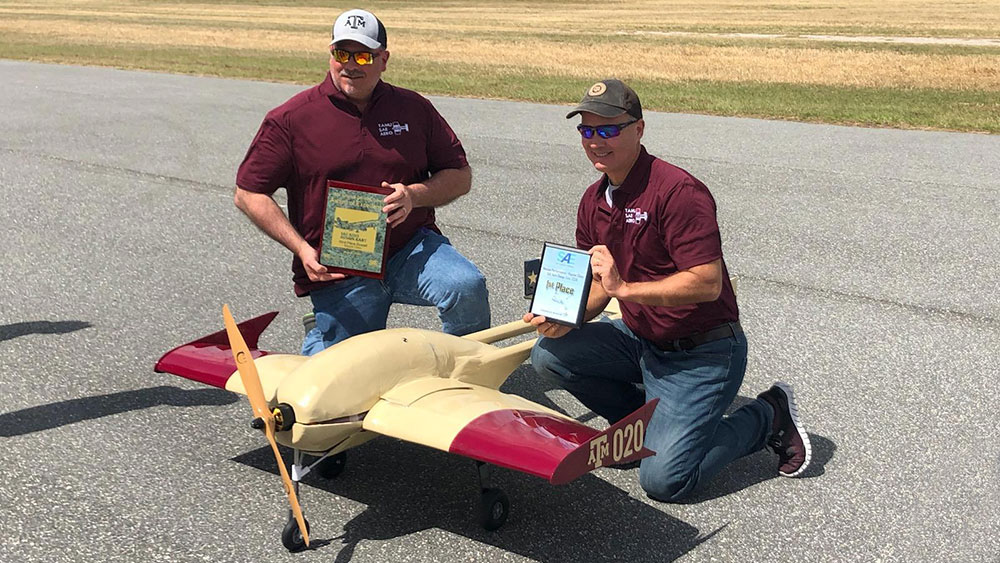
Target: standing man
x=654 y=242
x=354 y=127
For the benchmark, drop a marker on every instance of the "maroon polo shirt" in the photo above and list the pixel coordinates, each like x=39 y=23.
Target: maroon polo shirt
x=320 y=135
x=663 y=220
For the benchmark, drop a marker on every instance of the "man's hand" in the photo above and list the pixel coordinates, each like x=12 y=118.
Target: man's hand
x=605 y=271
x=545 y=328
x=398 y=204
x=316 y=271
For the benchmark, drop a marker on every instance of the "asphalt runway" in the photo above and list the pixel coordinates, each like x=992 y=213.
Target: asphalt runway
x=868 y=279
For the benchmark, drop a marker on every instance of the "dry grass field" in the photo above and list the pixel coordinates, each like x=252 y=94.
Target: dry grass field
x=900 y=63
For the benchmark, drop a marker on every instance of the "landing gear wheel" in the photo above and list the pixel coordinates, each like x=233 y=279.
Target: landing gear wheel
x=291 y=536
x=332 y=466
x=493 y=509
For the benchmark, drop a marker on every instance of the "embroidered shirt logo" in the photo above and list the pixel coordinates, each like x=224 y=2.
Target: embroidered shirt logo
x=636 y=215
x=394 y=128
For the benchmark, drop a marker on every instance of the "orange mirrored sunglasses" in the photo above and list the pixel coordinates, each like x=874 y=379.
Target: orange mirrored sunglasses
x=360 y=57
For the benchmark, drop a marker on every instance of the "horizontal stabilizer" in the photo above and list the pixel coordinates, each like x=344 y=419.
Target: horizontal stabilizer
x=621 y=443
x=554 y=449
x=209 y=359
x=502 y=332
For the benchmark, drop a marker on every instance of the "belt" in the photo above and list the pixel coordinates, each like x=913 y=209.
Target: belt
x=722 y=331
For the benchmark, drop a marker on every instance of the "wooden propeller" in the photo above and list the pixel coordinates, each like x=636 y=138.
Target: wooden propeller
x=251 y=382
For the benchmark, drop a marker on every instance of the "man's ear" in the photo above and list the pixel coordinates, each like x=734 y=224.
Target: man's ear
x=640 y=127
x=385 y=58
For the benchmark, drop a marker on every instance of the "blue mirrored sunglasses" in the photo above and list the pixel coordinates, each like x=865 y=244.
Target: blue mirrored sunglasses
x=604 y=131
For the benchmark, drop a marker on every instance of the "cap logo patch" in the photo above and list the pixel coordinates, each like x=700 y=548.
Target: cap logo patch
x=597 y=89
x=354 y=22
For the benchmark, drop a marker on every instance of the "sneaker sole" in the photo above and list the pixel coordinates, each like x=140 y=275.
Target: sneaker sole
x=793 y=409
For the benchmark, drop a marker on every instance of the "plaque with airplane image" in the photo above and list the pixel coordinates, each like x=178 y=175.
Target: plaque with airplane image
x=355 y=231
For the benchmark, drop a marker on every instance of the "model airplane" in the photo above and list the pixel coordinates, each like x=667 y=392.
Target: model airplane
x=421 y=386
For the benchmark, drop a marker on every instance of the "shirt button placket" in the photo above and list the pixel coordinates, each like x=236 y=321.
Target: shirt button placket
x=617 y=227
x=364 y=135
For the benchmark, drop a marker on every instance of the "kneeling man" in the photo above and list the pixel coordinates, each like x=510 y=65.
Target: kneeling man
x=654 y=242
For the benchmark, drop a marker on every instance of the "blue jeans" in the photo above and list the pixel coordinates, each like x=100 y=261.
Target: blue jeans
x=601 y=364
x=427 y=271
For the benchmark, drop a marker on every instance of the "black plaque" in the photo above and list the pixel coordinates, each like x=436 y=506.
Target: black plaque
x=531 y=268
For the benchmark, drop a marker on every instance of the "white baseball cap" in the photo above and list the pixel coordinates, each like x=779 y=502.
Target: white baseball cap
x=361 y=26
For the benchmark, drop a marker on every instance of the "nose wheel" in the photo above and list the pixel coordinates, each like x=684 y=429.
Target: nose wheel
x=329 y=467
x=291 y=536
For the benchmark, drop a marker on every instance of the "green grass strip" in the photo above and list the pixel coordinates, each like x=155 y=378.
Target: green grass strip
x=879 y=107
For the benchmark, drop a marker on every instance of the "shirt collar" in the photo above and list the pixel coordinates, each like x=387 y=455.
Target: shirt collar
x=638 y=176
x=329 y=89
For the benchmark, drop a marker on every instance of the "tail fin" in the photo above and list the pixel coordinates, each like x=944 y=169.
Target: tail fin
x=494 y=367
x=209 y=359
x=621 y=443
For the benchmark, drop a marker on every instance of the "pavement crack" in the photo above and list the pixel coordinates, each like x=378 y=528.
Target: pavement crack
x=946 y=187
x=209 y=186
x=920 y=309
x=487 y=232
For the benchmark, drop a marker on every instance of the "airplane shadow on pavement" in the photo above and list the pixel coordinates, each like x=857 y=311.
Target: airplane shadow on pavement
x=12 y=331
x=54 y=415
x=408 y=488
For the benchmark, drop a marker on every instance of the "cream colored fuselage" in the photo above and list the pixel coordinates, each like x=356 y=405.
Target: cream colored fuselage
x=332 y=391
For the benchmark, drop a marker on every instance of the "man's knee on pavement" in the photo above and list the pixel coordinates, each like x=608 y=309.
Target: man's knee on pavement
x=471 y=285
x=541 y=359
x=463 y=286
x=465 y=306
x=664 y=484
x=545 y=362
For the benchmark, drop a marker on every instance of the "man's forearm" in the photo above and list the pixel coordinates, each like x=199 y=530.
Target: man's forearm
x=442 y=188
x=695 y=285
x=268 y=217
